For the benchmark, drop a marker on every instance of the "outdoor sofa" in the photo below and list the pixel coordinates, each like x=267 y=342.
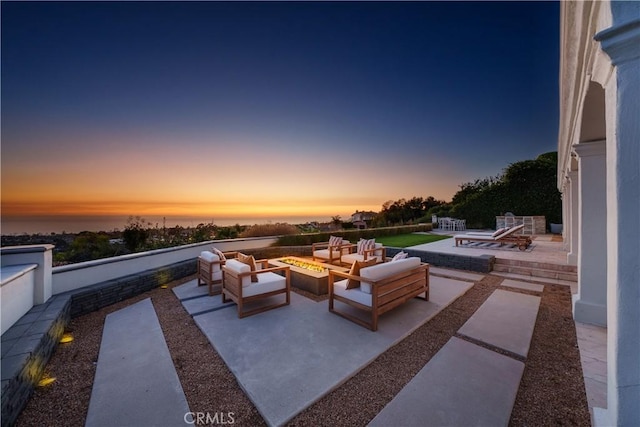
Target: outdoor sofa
x=380 y=288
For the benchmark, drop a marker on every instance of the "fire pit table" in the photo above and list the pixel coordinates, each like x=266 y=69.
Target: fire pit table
x=311 y=276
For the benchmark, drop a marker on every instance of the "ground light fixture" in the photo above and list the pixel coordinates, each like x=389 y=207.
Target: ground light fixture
x=66 y=338
x=45 y=381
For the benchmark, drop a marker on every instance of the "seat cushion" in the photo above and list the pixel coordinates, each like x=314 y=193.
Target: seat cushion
x=267 y=282
x=351 y=258
x=355 y=294
x=324 y=254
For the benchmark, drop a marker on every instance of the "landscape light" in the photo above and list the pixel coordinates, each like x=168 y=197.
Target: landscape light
x=66 y=338
x=46 y=381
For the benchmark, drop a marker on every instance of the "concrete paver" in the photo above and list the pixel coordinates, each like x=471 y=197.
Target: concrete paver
x=592 y=341
x=522 y=285
x=190 y=290
x=458 y=274
x=196 y=300
x=288 y=358
x=505 y=320
x=462 y=385
x=136 y=383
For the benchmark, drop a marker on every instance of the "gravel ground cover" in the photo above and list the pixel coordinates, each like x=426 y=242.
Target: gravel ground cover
x=551 y=392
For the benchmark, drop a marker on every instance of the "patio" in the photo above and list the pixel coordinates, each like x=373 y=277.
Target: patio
x=287 y=359
x=300 y=353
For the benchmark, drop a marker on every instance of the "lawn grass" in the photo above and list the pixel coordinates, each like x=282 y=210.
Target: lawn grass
x=404 y=240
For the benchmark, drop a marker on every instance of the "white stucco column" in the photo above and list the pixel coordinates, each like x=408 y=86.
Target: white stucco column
x=573 y=220
x=590 y=303
x=621 y=42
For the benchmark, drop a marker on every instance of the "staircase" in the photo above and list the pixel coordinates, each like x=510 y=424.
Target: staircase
x=536 y=270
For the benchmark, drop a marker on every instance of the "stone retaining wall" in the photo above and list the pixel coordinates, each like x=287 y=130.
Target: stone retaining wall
x=26 y=349
x=478 y=263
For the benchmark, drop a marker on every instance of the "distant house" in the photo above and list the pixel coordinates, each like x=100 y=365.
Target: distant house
x=362 y=219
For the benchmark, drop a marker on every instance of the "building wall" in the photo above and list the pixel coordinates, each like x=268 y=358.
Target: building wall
x=598 y=174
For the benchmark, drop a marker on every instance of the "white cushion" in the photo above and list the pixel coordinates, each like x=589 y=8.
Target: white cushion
x=209 y=256
x=400 y=255
x=267 y=282
x=240 y=267
x=351 y=258
x=219 y=253
x=355 y=294
x=385 y=269
x=335 y=241
x=324 y=254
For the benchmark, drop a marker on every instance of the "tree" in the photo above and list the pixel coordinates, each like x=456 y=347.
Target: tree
x=525 y=188
x=135 y=233
x=88 y=246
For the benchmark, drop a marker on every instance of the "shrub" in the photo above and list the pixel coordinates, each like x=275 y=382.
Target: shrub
x=351 y=235
x=262 y=230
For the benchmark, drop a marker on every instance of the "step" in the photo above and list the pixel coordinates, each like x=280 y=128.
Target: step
x=534 y=264
x=536 y=272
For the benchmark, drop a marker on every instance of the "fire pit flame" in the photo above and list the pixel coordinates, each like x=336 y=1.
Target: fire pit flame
x=302 y=264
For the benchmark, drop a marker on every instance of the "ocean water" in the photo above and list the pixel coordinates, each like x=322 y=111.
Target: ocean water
x=17 y=225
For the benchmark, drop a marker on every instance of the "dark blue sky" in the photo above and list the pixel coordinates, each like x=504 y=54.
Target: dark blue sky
x=423 y=96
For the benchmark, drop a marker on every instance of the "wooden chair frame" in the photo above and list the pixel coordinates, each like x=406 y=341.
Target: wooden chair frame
x=205 y=275
x=335 y=251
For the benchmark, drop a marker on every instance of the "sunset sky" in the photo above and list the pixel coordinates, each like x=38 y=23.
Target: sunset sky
x=238 y=109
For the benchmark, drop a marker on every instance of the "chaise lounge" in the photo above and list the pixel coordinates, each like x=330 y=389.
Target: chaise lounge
x=499 y=236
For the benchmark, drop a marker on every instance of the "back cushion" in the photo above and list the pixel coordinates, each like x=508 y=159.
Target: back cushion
x=209 y=256
x=385 y=269
x=239 y=267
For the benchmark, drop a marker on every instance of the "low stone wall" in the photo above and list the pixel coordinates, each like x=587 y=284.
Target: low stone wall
x=26 y=349
x=95 y=297
x=478 y=263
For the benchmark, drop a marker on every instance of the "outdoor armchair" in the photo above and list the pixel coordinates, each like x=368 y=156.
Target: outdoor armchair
x=209 y=271
x=260 y=288
x=330 y=251
x=364 y=250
